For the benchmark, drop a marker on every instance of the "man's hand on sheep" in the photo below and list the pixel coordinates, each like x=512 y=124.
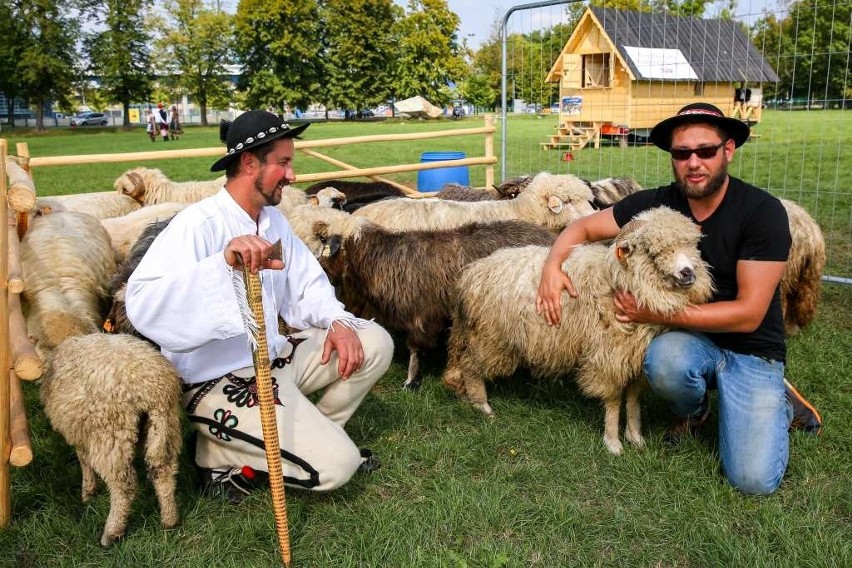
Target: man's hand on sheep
x=254 y=253
x=548 y=301
x=350 y=354
x=627 y=310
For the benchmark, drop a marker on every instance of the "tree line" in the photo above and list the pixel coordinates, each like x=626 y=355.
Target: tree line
x=347 y=54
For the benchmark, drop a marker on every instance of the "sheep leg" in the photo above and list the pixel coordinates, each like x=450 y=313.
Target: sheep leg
x=122 y=490
x=90 y=480
x=633 y=429
x=612 y=410
x=162 y=447
x=474 y=387
x=116 y=469
x=413 y=380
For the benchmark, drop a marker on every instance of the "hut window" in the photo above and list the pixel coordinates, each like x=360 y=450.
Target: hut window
x=698 y=90
x=596 y=70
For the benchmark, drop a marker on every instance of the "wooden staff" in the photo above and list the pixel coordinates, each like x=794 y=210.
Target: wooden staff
x=260 y=356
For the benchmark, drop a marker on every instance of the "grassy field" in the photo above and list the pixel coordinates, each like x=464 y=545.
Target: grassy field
x=533 y=487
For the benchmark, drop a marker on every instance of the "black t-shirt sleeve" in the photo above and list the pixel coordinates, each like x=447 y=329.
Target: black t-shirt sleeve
x=766 y=233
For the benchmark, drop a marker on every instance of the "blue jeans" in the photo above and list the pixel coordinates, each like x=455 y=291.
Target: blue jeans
x=754 y=414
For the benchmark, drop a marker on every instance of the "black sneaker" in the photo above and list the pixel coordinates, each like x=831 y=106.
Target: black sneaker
x=805 y=416
x=369 y=461
x=232 y=484
x=689 y=426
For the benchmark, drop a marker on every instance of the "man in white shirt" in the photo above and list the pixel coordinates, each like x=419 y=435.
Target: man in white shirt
x=185 y=295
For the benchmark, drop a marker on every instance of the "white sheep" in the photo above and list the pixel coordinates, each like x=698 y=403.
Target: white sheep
x=100 y=392
x=149 y=186
x=101 y=205
x=551 y=201
x=67 y=261
x=496 y=329
x=125 y=230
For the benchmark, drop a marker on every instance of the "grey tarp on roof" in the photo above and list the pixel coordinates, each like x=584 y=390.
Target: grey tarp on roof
x=718 y=50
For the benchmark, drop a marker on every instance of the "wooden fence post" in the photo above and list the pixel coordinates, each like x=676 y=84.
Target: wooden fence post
x=5 y=405
x=489 y=151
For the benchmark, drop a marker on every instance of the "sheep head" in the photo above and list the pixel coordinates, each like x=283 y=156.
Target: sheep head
x=567 y=198
x=655 y=256
x=511 y=187
x=328 y=197
x=133 y=183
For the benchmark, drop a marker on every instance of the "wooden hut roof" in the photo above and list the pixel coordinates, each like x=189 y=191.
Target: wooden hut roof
x=717 y=50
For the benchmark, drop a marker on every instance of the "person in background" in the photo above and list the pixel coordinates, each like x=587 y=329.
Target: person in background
x=175 y=129
x=162 y=117
x=734 y=344
x=186 y=295
x=150 y=124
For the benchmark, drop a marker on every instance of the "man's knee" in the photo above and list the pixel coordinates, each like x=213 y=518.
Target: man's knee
x=754 y=481
x=339 y=468
x=378 y=346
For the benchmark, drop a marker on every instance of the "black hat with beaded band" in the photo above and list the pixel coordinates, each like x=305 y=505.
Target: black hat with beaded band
x=699 y=113
x=250 y=130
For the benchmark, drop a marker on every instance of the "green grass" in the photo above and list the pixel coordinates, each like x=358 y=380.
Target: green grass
x=533 y=487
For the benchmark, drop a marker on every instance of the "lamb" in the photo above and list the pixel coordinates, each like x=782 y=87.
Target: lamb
x=125 y=230
x=405 y=279
x=103 y=205
x=98 y=393
x=551 y=201
x=495 y=327
x=801 y=283
x=67 y=261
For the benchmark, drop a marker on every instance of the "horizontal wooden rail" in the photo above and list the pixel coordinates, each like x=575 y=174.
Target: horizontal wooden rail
x=44 y=161
x=379 y=170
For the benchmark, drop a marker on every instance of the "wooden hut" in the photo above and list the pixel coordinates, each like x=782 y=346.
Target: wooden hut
x=622 y=72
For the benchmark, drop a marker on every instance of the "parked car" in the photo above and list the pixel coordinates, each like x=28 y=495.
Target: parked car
x=89 y=119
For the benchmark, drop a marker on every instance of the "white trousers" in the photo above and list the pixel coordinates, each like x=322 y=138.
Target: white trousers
x=316 y=453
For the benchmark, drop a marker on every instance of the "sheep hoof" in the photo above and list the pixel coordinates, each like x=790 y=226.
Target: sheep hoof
x=412 y=384
x=486 y=409
x=635 y=439
x=614 y=446
x=108 y=540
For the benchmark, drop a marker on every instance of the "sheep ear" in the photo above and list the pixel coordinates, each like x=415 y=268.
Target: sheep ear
x=313 y=200
x=622 y=251
x=555 y=204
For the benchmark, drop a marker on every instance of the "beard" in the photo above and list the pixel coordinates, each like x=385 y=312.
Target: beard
x=713 y=185
x=273 y=196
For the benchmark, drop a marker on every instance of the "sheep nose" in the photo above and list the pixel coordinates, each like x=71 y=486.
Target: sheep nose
x=686 y=276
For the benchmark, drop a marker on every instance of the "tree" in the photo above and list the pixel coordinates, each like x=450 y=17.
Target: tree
x=47 y=58
x=195 y=48
x=278 y=45
x=429 y=55
x=358 y=51
x=120 y=56
x=12 y=41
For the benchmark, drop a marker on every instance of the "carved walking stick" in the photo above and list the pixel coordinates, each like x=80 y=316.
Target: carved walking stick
x=260 y=356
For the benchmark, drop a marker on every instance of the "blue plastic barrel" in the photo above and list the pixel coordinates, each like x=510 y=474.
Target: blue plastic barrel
x=433 y=180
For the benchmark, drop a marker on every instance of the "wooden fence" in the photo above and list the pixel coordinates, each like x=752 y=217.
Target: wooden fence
x=17 y=197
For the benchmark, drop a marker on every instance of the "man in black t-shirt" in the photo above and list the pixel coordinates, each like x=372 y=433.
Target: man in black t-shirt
x=735 y=343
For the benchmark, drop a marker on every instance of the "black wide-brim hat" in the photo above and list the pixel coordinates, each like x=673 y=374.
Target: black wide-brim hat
x=250 y=130
x=699 y=113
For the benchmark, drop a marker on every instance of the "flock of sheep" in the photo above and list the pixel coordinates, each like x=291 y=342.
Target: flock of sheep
x=462 y=266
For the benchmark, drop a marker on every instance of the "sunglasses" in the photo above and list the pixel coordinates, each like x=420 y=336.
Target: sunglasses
x=704 y=153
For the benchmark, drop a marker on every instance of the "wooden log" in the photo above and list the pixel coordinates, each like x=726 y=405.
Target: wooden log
x=21 y=194
x=21 y=452
x=5 y=495
x=489 y=151
x=26 y=362
x=23 y=160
